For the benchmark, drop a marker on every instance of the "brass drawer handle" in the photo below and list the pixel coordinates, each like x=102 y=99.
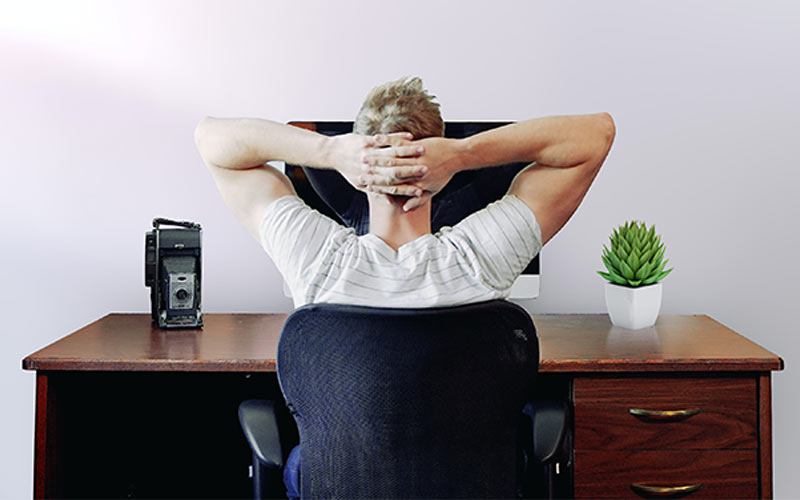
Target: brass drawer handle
x=665 y=490
x=664 y=414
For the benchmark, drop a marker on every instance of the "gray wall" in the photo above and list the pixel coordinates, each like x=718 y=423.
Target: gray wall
x=99 y=102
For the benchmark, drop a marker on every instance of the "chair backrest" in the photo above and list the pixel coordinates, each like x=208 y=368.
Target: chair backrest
x=408 y=403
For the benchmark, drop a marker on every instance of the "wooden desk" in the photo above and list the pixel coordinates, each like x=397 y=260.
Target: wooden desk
x=125 y=410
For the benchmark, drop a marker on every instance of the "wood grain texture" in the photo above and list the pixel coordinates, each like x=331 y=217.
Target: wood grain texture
x=723 y=473
x=41 y=481
x=590 y=343
x=765 y=434
x=570 y=343
x=728 y=417
x=129 y=342
x=47 y=439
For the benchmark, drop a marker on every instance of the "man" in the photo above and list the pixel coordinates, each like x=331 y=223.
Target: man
x=399 y=263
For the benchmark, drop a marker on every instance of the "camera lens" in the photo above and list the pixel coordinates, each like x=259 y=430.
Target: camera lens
x=181 y=294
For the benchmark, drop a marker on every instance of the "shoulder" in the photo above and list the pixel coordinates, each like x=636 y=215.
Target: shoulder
x=301 y=243
x=500 y=240
x=506 y=214
x=291 y=226
x=291 y=213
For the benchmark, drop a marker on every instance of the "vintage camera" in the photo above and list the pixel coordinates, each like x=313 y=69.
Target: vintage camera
x=172 y=270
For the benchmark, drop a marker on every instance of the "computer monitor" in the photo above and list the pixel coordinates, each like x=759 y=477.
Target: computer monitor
x=526 y=286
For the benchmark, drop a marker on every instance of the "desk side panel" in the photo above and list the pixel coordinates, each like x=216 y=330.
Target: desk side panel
x=765 y=433
x=45 y=439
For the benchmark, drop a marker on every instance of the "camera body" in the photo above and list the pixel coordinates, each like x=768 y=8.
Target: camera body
x=172 y=270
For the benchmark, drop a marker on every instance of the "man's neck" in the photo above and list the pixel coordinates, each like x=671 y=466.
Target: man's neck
x=389 y=222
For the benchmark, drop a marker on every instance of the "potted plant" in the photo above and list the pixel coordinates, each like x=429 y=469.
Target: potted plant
x=635 y=266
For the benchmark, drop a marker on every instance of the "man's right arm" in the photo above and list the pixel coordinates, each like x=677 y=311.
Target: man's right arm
x=566 y=162
x=565 y=152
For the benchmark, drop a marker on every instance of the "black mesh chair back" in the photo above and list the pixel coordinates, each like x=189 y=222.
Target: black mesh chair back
x=408 y=403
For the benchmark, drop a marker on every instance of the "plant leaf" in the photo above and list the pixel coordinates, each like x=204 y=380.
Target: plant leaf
x=627 y=272
x=629 y=236
x=634 y=282
x=659 y=254
x=617 y=278
x=608 y=253
x=665 y=273
x=627 y=246
x=637 y=252
x=622 y=254
x=614 y=278
x=617 y=263
x=648 y=255
x=633 y=261
x=608 y=264
x=660 y=268
x=643 y=272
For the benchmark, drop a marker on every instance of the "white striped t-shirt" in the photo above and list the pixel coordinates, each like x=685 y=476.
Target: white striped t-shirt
x=478 y=259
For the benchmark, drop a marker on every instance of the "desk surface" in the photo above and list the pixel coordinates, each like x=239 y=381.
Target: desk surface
x=248 y=343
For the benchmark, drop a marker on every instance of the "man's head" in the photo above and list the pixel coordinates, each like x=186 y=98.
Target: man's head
x=400 y=106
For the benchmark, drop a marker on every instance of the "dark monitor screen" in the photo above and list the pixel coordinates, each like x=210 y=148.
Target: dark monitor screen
x=454 y=130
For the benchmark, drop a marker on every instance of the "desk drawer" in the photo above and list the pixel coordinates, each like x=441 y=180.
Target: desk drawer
x=727 y=417
x=722 y=473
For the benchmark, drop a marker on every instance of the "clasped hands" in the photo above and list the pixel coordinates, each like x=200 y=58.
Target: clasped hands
x=395 y=164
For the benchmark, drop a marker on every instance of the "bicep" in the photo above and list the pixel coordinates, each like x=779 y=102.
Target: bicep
x=553 y=194
x=248 y=192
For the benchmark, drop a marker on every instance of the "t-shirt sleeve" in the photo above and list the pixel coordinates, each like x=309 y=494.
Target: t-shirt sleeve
x=500 y=240
x=297 y=239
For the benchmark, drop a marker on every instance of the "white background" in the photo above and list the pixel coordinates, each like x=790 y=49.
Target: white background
x=98 y=103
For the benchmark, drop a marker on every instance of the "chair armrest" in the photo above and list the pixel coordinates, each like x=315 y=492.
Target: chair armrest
x=260 y=425
x=549 y=421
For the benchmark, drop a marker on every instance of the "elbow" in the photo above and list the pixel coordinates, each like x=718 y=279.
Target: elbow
x=606 y=132
x=203 y=140
x=201 y=133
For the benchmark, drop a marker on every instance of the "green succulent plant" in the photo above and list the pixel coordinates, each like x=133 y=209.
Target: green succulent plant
x=635 y=258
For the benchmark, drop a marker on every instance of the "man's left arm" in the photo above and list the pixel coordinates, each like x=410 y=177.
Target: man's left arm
x=236 y=151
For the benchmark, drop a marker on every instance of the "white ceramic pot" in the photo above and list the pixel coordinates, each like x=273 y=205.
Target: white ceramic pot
x=633 y=308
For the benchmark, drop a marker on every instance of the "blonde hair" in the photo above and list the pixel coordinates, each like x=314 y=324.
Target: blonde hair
x=400 y=106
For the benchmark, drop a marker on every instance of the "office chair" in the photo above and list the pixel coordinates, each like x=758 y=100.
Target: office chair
x=406 y=403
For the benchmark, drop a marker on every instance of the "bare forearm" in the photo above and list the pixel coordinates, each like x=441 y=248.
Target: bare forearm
x=244 y=143
x=553 y=141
